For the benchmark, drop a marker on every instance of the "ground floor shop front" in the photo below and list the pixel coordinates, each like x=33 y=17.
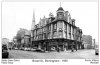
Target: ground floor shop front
x=57 y=45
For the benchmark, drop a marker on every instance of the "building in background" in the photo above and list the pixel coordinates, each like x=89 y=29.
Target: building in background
x=87 y=41
x=56 y=32
x=93 y=43
x=27 y=38
x=23 y=38
x=5 y=41
x=10 y=45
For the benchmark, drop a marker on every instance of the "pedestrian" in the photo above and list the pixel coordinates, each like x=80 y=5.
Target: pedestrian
x=72 y=49
x=76 y=48
x=58 y=49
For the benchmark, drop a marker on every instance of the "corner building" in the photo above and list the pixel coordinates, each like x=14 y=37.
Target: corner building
x=57 y=33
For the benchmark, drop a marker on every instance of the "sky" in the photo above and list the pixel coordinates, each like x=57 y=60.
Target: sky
x=16 y=15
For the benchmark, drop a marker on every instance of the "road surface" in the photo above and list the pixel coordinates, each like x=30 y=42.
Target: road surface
x=80 y=54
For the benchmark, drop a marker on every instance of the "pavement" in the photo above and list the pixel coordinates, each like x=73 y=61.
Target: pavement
x=79 y=54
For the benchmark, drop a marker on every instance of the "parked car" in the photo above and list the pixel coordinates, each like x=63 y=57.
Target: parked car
x=16 y=48
x=22 y=48
x=32 y=49
x=28 y=49
x=96 y=50
x=25 y=49
x=5 y=53
x=53 y=48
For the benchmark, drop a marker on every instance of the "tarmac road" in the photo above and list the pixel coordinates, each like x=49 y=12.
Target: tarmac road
x=80 y=54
